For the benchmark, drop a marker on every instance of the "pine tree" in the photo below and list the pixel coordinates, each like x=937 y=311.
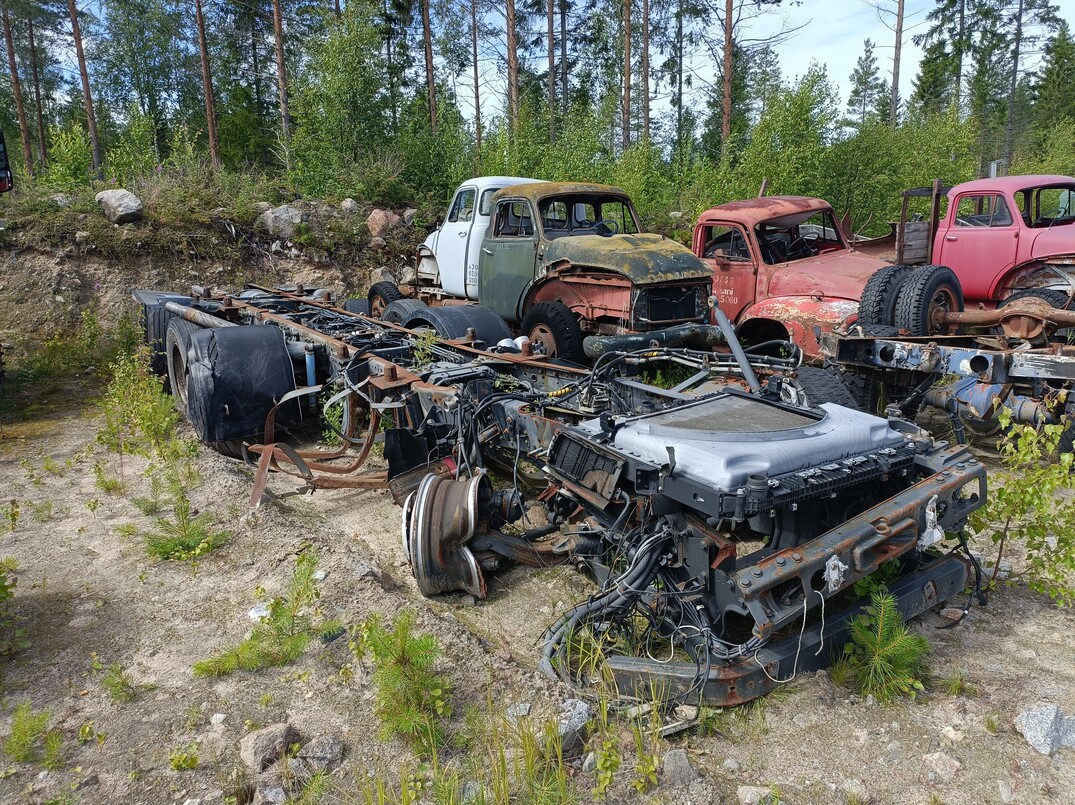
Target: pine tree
x=933 y=89
x=1055 y=86
x=868 y=89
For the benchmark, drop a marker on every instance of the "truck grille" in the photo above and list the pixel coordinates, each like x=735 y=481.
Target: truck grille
x=581 y=463
x=670 y=303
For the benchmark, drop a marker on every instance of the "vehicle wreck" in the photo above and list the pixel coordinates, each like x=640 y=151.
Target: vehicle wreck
x=725 y=514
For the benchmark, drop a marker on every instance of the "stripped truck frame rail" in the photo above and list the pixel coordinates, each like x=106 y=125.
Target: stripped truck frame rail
x=715 y=516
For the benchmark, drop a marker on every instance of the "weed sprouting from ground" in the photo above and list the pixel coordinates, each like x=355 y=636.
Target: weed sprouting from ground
x=411 y=697
x=119 y=684
x=292 y=620
x=886 y=658
x=26 y=740
x=185 y=535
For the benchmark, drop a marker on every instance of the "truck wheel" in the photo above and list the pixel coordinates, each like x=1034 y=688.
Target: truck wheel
x=927 y=295
x=381 y=293
x=361 y=306
x=155 y=320
x=453 y=321
x=235 y=375
x=398 y=311
x=821 y=386
x=864 y=388
x=177 y=341
x=878 y=303
x=553 y=327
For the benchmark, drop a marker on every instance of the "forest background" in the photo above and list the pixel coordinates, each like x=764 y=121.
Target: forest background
x=390 y=101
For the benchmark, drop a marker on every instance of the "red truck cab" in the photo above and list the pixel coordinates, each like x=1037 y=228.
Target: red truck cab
x=782 y=268
x=1004 y=234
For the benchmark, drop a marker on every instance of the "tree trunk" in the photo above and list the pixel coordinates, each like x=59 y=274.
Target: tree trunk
x=563 y=58
x=259 y=103
x=679 y=80
x=388 y=38
x=474 y=59
x=627 y=73
x=207 y=88
x=894 y=101
x=91 y=117
x=431 y=79
x=42 y=147
x=513 y=67
x=339 y=11
x=645 y=71
x=1009 y=128
x=281 y=77
x=20 y=110
x=958 y=51
x=550 y=19
x=726 y=80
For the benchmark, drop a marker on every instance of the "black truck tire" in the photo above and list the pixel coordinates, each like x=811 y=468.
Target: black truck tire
x=399 y=310
x=878 y=303
x=453 y=321
x=823 y=386
x=553 y=326
x=361 y=306
x=176 y=343
x=865 y=389
x=155 y=327
x=235 y=375
x=380 y=294
x=928 y=293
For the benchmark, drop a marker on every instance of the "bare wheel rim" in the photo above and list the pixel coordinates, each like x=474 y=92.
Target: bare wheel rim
x=179 y=383
x=377 y=306
x=942 y=303
x=542 y=335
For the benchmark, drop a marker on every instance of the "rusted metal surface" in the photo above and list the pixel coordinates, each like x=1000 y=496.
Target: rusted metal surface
x=753 y=211
x=643 y=258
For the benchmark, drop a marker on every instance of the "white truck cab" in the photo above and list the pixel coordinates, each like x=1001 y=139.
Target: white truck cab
x=449 y=256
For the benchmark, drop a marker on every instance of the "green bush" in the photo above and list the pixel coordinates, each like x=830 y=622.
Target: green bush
x=886 y=658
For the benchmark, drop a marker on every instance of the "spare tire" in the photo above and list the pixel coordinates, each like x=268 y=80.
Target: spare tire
x=552 y=326
x=821 y=386
x=235 y=375
x=380 y=294
x=400 y=310
x=878 y=302
x=454 y=321
x=929 y=293
x=361 y=306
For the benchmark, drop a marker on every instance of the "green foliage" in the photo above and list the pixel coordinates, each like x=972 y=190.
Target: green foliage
x=119 y=684
x=138 y=416
x=12 y=636
x=184 y=759
x=134 y=156
x=280 y=637
x=1029 y=506
x=411 y=697
x=879 y=580
x=26 y=740
x=607 y=758
x=185 y=535
x=887 y=659
x=69 y=162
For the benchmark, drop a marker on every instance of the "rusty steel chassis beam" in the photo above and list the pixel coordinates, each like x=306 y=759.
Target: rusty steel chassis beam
x=319 y=468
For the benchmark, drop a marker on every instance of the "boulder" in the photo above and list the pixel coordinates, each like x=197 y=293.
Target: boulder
x=82 y=237
x=1046 y=728
x=281 y=221
x=262 y=748
x=408 y=216
x=349 y=206
x=263 y=206
x=120 y=206
x=574 y=716
x=377 y=243
x=677 y=769
x=381 y=222
x=322 y=753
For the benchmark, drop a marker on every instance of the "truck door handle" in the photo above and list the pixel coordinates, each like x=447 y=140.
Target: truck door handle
x=463 y=234
x=486 y=250
x=950 y=237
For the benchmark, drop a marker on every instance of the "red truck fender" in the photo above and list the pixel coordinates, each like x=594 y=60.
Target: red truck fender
x=795 y=317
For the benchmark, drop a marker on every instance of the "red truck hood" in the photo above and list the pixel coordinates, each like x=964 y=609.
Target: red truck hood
x=836 y=275
x=1055 y=241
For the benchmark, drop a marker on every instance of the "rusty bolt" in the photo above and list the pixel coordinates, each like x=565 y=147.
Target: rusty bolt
x=472 y=334
x=781 y=561
x=756 y=572
x=797 y=557
x=744 y=582
x=390 y=372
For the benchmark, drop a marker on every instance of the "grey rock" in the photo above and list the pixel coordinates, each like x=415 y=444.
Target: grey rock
x=62 y=199
x=752 y=794
x=262 y=748
x=855 y=789
x=263 y=206
x=382 y=274
x=1046 y=728
x=192 y=801
x=676 y=770
x=82 y=236
x=731 y=765
x=381 y=222
x=349 y=206
x=589 y=763
x=269 y=794
x=378 y=243
x=407 y=274
x=281 y=221
x=120 y=206
x=217 y=719
x=942 y=767
x=517 y=711
x=408 y=216
x=574 y=716
x=322 y=753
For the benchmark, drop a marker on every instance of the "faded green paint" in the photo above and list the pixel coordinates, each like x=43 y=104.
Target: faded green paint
x=505 y=273
x=644 y=259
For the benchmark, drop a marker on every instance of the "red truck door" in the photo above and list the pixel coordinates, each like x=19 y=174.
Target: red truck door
x=978 y=241
x=726 y=248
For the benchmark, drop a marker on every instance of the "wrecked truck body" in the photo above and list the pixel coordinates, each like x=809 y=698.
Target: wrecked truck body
x=725 y=519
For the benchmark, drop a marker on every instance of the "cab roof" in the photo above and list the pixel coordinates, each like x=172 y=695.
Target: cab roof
x=539 y=190
x=1010 y=184
x=754 y=211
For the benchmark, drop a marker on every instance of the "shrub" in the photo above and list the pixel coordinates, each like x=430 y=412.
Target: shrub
x=886 y=658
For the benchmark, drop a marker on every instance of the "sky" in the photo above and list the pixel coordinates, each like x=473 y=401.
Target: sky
x=834 y=31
